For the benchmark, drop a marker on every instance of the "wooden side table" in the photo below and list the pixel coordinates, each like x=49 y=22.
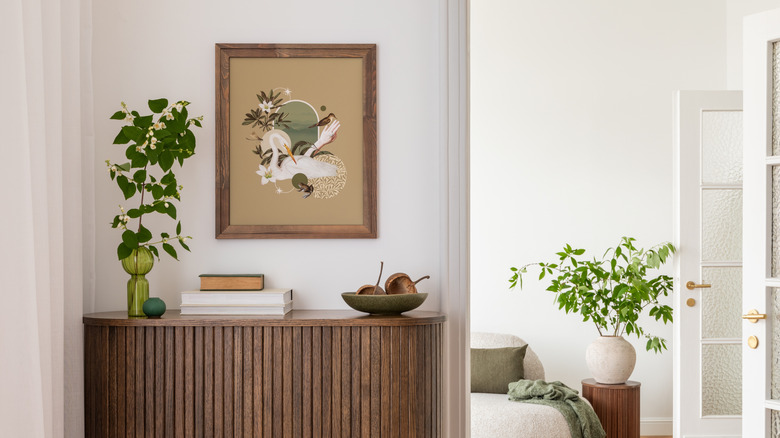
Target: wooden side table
x=309 y=373
x=616 y=405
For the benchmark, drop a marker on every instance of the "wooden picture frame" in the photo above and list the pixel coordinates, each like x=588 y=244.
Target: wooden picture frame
x=277 y=190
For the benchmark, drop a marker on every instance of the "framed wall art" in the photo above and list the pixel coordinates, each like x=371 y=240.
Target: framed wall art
x=296 y=141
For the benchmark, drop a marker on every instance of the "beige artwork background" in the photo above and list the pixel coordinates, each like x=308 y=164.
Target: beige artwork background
x=333 y=82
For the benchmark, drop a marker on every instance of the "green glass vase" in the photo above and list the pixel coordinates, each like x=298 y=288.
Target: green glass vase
x=137 y=264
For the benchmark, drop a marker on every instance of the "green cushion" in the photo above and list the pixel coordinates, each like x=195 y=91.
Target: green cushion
x=493 y=369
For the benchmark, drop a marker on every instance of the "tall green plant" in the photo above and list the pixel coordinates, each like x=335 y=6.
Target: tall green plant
x=155 y=142
x=613 y=291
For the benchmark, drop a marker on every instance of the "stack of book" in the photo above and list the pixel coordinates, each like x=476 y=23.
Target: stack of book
x=241 y=294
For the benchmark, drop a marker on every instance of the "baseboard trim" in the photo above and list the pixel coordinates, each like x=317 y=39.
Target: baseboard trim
x=650 y=426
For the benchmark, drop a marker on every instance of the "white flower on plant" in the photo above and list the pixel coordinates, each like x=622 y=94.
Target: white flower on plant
x=166 y=205
x=168 y=116
x=159 y=125
x=152 y=146
x=112 y=169
x=266 y=175
x=129 y=118
x=265 y=106
x=139 y=149
x=165 y=240
x=178 y=106
x=154 y=140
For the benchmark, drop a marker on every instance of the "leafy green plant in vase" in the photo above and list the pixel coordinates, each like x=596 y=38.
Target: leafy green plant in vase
x=155 y=142
x=612 y=293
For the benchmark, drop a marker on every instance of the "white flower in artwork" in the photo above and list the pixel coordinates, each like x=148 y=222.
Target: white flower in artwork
x=287 y=91
x=266 y=106
x=278 y=191
x=266 y=175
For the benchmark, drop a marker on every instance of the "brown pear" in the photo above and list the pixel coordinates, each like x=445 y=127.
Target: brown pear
x=373 y=289
x=400 y=283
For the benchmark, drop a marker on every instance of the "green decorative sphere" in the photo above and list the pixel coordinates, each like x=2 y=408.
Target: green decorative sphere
x=154 y=307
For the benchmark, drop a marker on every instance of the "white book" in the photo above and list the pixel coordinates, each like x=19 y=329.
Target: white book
x=238 y=309
x=223 y=297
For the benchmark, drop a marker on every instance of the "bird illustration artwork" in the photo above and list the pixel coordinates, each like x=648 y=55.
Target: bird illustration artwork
x=325 y=120
x=306 y=189
x=278 y=141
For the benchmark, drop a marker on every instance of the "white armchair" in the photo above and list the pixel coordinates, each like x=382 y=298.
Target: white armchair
x=495 y=416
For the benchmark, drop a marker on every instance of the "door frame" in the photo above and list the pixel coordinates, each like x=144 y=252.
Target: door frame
x=757 y=57
x=687 y=232
x=454 y=215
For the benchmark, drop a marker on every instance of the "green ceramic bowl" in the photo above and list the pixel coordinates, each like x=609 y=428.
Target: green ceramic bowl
x=384 y=304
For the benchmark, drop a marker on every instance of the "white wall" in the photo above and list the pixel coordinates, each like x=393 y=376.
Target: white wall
x=571 y=141
x=736 y=10
x=149 y=49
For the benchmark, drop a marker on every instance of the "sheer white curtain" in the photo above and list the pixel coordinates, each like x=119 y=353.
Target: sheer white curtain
x=45 y=141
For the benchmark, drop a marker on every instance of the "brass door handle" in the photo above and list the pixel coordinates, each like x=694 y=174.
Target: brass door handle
x=753 y=316
x=691 y=285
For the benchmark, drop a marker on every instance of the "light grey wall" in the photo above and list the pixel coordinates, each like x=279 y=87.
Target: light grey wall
x=148 y=49
x=571 y=141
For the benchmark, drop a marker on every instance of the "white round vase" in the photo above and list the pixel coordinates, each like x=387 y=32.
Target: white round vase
x=610 y=359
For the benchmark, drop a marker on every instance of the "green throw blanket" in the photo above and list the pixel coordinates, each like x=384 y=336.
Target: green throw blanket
x=582 y=420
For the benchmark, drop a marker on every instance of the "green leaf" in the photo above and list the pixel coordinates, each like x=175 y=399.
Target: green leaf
x=170 y=190
x=128 y=189
x=134 y=133
x=144 y=235
x=139 y=176
x=143 y=122
x=119 y=115
x=175 y=126
x=187 y=141
x=178 y=228
x=121 y=138
x=129 y=239
x=184 y=245
x=168 y=178
x=170 y=250
x=153 y=249
x=158 y=105
x=157 y=191
x=123 y=251
x=171 y=210
x=138 y=160
x=134 y=213
x=166 y=160
x=162 y=133
x=125 y=167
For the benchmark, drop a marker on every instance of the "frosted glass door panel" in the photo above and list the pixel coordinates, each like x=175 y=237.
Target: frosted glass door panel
x=721 y=304
x=721 y=237
x=721 y=379
x=776 y=221
x=722 y=147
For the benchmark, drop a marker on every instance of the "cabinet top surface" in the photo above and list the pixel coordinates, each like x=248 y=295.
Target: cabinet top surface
x=293 y=318
x=621 y=386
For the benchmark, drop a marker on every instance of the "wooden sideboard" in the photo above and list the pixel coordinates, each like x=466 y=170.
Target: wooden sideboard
x=308 y=374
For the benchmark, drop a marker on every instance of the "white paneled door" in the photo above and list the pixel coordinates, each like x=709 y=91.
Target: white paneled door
x=761 y=280
x=708 y=266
